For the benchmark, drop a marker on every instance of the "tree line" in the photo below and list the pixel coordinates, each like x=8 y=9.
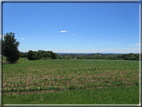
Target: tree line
x=40 y=54
x=12 y=54
x=130 y=56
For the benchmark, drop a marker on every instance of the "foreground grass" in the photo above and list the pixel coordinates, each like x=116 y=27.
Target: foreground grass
x=73 y=78
x=43 y=74
x=112 y=95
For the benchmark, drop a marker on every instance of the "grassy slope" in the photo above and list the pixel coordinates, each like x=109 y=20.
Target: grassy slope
x=116 y=95
x=113 y=95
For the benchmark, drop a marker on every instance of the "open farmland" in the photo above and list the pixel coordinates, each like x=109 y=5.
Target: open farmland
x=42 y=76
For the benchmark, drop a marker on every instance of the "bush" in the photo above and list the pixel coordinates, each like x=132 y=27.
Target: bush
x=31 y=55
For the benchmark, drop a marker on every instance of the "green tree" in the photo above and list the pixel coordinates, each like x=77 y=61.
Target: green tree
x=39 y=54
x=10 y=47
x=53 y=55
x=48 y=54
x=132 y=57
x=23 y=54
x=137 y=56
x=32 y=55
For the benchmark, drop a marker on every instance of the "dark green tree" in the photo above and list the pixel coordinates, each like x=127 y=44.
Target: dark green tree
x=39 y=54
x=31 y=55
x=10 y=47
x=23 y=54
x=48 y=54
x=53 y=55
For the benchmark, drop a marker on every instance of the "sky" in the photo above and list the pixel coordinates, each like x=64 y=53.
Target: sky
x=74 y=27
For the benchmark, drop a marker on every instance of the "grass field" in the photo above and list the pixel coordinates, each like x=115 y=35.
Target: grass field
x=73 y=81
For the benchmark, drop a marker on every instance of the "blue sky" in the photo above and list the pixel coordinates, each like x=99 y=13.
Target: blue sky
x=74 y=27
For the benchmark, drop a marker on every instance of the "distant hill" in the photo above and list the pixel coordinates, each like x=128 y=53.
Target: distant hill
x=89 y=53
x=94 y=53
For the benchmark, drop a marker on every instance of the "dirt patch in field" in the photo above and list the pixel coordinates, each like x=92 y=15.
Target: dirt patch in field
x=32 y=92
x=107 y=76
x=53 y=91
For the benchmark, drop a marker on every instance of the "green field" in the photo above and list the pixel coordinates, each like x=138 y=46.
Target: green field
x=87 y=81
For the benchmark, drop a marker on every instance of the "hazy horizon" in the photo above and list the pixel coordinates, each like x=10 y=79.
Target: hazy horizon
x=87 y=53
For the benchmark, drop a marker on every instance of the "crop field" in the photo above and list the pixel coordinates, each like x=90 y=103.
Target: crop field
x=42 y=76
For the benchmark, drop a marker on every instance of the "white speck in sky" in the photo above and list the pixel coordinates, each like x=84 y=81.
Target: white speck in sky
x=23 y=38
x=63 y=31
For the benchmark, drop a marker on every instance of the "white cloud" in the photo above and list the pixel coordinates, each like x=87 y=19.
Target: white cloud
x=23 y=38
x=137 y=44
x=133 y=45
x=73 y=34
x=62 y=31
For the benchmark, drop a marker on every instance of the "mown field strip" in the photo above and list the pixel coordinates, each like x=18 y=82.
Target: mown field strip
x=70 y=74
